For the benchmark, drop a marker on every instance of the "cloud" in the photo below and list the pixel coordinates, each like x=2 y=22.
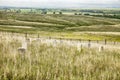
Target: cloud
x=59 y=3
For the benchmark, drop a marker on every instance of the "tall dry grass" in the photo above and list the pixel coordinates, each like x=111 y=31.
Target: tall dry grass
x=61 y=62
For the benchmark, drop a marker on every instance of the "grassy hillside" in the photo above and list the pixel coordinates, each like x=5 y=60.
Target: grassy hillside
x=61 y=24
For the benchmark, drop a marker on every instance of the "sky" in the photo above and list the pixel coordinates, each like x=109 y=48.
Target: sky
x=61 y=3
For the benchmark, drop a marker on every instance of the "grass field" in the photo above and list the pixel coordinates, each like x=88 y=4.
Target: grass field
x=65 y=26
x=61 y=62
x=45 y=60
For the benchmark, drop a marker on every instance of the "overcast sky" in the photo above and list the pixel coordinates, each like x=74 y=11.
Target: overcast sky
x=61 y=3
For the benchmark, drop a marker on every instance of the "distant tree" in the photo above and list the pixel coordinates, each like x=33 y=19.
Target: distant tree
x=44 y=11
x=79 y=14
x=75 y=13
x=18 y=11
x=114 y=15
x=60 y=12
x=54 y=12
x=86 y=14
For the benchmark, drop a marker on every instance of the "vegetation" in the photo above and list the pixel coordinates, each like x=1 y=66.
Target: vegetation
x=58 y=61
x=63 y=22
x=35 y=21
x=61 y=62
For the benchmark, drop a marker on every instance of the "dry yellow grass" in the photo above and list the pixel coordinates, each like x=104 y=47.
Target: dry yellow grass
x=61 y=62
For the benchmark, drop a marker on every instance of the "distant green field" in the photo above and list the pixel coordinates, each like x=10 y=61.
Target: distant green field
x=61 y=24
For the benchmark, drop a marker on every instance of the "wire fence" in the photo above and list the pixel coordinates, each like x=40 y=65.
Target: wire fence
x=38 y=36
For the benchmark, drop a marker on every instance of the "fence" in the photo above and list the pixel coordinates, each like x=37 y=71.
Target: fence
x=28 y=35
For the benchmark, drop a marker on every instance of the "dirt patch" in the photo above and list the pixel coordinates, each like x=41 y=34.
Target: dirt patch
x=21 y=26
x=17 y=26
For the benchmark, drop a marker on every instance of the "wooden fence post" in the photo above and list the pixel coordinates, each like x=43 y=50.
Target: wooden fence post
x=80 y=40
x=26 y=35
x=81 y=47
x=97 y=41
x=89 y=43
x=38 y=36
x=114 y=42
x=105 y=41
